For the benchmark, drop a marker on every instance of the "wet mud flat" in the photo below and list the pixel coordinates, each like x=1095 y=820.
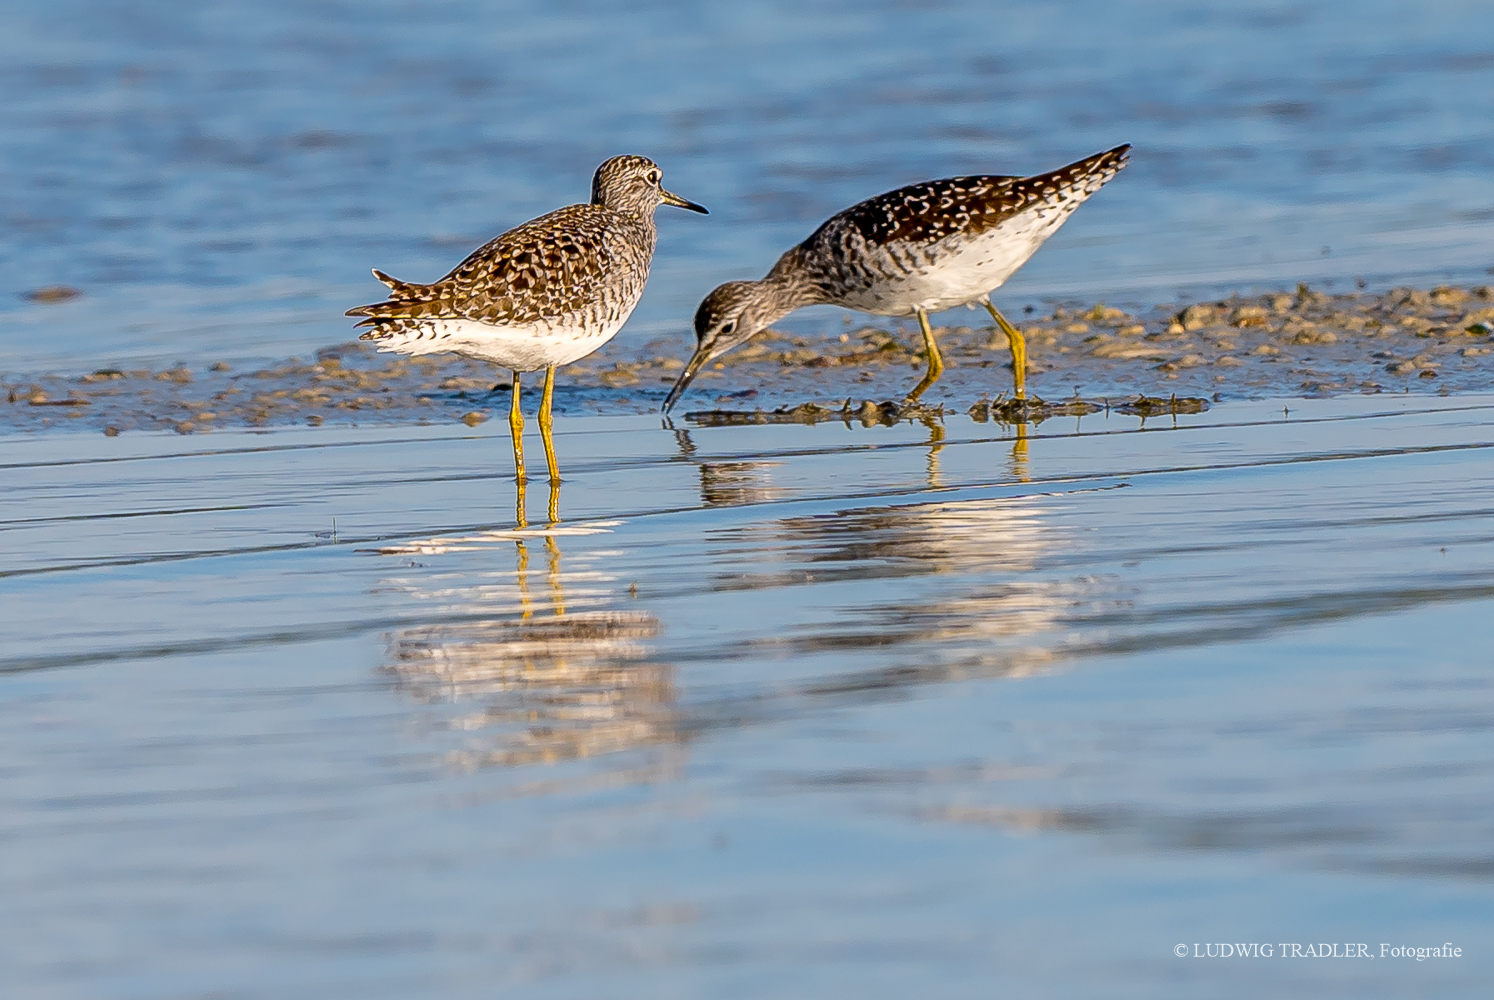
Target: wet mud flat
x=1027 y=410
x=780 y=709
x=1287 y=344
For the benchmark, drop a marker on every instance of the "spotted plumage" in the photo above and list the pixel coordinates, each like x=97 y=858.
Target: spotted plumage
x=910 y=252
x=935 y=210
x=545 y=293
x=942 y=243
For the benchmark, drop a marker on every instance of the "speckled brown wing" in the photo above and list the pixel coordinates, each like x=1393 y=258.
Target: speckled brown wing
x=559 y=264
x=931 y=211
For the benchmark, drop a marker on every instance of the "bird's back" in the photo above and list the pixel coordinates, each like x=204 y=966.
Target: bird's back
x=945 y=242
x=579 y=264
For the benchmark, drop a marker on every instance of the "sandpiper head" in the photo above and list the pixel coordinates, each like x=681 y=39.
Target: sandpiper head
x=634 y=184
x=728 y=318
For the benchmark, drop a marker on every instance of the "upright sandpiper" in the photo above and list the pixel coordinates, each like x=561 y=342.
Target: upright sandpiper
x=920 y=249
x=543 y=294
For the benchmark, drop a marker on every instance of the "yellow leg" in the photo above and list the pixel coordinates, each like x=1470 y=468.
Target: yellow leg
x=547 y=425
x=516 y=429
x=1019 y=349
x=936 y=363
x=521 y=513
x=554 y=501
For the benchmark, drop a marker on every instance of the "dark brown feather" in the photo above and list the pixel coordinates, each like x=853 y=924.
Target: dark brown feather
x=558 y=264
x=931 y=211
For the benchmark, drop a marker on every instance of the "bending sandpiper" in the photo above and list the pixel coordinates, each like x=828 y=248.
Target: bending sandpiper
x=920 y=249
x=543 y=294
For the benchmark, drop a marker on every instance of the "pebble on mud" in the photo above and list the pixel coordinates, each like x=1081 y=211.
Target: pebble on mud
x=475 y=417
x=1196 y=317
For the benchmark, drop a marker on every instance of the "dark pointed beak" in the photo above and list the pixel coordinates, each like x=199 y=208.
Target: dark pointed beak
x=697 y=361
x=678 y=202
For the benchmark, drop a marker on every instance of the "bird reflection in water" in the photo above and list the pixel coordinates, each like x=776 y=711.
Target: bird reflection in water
x=1019 y=459
x=727 y=484
x=730 y=484
x=936 y=445
x=992 y=608
x=1021 y=470
x=547 y=671
x=521 y=507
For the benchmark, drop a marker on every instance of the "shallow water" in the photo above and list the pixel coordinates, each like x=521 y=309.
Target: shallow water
x=772 y=711
x=218 y=179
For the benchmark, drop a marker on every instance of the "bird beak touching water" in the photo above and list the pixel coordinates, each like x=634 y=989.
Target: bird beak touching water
x=697 y=361
x=678 y=202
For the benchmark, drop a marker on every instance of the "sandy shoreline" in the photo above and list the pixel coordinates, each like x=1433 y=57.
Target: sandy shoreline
x=1306 y=343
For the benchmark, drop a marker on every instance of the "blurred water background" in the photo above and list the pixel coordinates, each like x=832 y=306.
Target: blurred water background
x=217 y=178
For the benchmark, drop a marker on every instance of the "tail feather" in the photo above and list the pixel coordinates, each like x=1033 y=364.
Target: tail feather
x=424 y=308
x=1092 y=172
x=380 y=310
x=407 y=300
x=398 y=289
x=1078 y=180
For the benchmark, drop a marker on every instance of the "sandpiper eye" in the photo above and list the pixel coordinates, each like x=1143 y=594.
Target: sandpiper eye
x=654 y=177
x=728 y=326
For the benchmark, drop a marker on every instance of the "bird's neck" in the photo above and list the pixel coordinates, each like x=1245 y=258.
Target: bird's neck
x=643 y=219
x=790 y=286
x=640 y=210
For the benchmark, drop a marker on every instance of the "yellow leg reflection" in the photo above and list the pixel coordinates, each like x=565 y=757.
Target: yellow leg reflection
x=1018 y=345
x=557 y=593
x=936 y=363
x=521 y=577
x=936 y=445
x=547 y=424
x=516 y=430
x=1020 y=469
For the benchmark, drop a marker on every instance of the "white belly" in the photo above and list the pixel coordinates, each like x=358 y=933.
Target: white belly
x=518 y=348
x=963 y=273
